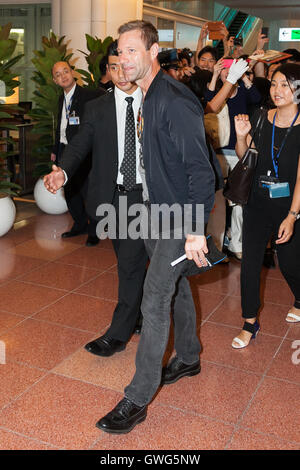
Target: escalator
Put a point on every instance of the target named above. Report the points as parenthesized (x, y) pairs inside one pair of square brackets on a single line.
[(235, 23)]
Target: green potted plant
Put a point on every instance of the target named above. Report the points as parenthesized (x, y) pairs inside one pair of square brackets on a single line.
[(97, 50), (8, 83)]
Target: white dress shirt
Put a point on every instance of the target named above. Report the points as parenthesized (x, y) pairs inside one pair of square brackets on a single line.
[(64, 121), (121, 107)]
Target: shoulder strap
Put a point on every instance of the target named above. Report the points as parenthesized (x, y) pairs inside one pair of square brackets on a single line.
[(259, 124)]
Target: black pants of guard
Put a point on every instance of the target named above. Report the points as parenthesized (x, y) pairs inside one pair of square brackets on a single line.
[(259, 223), (132, 261)]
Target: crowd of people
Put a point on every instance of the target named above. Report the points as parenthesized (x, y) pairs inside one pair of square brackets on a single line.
[(169, 129)]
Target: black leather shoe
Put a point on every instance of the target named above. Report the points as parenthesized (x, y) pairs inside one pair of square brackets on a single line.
[(73, 233), (92, 240), (122, 418), (105, 346), (176, 369)]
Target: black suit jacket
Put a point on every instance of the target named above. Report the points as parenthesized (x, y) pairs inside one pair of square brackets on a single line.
[(97, 134), (80, 97)]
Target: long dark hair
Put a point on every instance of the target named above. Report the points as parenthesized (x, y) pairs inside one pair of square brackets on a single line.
[(292, 74)]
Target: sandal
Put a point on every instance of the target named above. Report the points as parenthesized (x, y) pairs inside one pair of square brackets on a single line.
[(251, 328), (292, 317)]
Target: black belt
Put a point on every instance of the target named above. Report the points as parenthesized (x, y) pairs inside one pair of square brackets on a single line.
[(121, 188)]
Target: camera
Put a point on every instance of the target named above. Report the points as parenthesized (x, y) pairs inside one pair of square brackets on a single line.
[(238, 41), (187, 51)]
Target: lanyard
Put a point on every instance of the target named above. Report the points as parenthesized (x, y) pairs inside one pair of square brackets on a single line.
[(67, 108), (275, 158)]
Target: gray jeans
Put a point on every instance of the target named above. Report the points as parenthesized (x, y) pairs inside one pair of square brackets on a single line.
[(163, 283)]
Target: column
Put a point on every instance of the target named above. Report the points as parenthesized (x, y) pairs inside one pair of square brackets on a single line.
[(99, 12), (75, 22), (121, 12), (101, 18), (55, 14)]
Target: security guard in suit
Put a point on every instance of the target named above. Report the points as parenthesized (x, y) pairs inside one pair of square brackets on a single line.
[(70, 112)]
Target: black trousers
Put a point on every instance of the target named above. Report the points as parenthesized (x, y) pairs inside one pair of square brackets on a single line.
[(132, 262), (259, 223), (75, 195)]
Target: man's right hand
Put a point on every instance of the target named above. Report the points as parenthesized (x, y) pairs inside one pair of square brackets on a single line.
[(54, 180)]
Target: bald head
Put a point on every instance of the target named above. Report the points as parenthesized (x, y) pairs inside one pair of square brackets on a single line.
[(62, 75)]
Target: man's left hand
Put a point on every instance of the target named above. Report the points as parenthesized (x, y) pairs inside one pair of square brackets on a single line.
[(196, 249)]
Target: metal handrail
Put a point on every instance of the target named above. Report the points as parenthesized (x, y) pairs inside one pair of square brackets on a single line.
[(246, 26), (227, 15)]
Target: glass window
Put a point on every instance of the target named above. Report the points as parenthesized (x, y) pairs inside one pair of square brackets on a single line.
[(187, 36), (29, 23), (166, 32)]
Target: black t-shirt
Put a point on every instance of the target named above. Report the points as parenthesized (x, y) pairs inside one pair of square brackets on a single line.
[(287, 165)]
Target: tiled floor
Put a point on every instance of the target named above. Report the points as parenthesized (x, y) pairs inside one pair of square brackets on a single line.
[(56, 295)]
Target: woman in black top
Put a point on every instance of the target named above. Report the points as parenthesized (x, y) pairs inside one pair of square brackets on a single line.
[(266, 212)]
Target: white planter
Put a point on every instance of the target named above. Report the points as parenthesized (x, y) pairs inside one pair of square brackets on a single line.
[(7, 214), (49, 202)]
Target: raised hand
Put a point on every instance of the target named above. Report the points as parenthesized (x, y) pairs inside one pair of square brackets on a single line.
[(54, 180), (242, 125), (218, 67), (188, 71), (237, 70), (258, 52), (224, 32), (204, 31), (228, 45), (261, 40)]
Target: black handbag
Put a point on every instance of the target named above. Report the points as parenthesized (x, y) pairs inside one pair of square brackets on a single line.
[(238, 185)]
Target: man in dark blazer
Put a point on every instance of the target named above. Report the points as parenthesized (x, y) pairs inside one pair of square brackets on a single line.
[(70, 113), (103, 132)]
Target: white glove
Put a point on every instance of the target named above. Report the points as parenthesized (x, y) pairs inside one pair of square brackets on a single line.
[(237, 70)]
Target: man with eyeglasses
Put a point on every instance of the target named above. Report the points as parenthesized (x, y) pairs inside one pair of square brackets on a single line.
[(109, 131)]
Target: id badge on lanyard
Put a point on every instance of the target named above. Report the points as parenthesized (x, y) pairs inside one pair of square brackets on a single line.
[(71, 118), (74, 120)]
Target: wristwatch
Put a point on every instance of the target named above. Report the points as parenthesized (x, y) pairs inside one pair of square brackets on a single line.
[(295, 214)]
